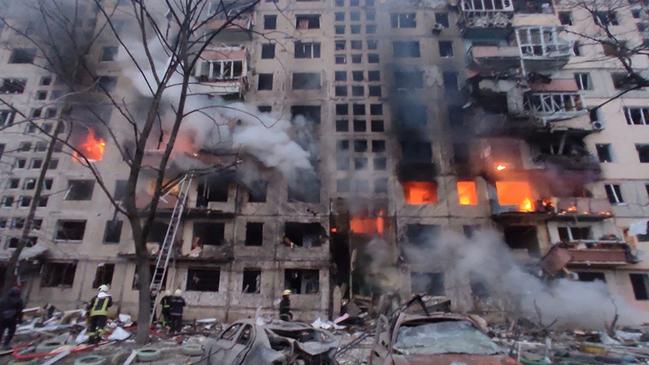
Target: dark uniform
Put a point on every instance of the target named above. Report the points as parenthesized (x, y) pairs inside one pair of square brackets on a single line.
[(11, 311), (165, 305), (285, 309), (176, 305), (98, 316)]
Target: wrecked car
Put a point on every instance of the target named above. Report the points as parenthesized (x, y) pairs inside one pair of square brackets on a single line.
[(438, 338), (247, 342)]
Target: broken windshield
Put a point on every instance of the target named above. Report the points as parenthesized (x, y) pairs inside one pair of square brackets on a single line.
[(443, 338)]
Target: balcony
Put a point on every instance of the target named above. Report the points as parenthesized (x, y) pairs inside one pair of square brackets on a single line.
[(529, 208), (581, 162), (542, 49), (495, 58), (552, 106), (239, 29), (222, 71), (487, 18), (584, 208), (602, 254)]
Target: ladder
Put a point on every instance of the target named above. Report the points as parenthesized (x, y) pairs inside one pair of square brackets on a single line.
[(166, 248)]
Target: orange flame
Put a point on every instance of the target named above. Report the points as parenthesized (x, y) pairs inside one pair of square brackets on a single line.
[(516, 193), (368, 225), (420, 192), (92, 147), (467, 193)]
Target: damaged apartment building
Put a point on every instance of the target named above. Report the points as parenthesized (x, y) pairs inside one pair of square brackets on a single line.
[(424, 117)]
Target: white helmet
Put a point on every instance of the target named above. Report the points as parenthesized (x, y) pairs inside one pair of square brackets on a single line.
[(103, 288), (178, 292)]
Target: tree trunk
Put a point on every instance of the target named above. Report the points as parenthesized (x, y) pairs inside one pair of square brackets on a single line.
[(144, 298), (13, 264)]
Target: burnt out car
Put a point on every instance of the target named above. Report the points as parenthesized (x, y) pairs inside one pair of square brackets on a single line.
[(435, 339), (246, 342)]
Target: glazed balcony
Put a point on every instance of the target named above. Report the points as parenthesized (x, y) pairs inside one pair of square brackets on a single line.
[(553, 105), (486, 18), (542, 48)]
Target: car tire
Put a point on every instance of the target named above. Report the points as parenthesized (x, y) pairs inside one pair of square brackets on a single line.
[(47, 346), (148, 354), (90, 360), (192, 349)]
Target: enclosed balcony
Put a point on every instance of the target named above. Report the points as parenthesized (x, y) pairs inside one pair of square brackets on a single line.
[(222, 71), (542, 49), (553, 105), (487, 18), (594, 208)]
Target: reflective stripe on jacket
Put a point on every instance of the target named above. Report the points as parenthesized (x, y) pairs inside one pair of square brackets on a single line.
[(100, 306)]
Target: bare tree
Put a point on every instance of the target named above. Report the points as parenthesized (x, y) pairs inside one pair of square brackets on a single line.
[(162, 45)]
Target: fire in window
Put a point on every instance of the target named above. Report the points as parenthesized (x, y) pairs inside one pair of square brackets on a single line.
[(58, 274), (420, 192), (516, 193), (91, 147), (302, 281), (467, 193)]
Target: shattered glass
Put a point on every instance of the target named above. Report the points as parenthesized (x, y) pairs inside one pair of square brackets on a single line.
[(457, 337)]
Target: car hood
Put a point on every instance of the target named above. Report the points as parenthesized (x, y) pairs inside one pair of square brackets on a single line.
[(453, 359)]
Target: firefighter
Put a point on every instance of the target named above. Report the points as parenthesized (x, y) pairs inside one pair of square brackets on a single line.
[(285, 306), (176, 305), (164, 307), (98, 314), (11, 312)]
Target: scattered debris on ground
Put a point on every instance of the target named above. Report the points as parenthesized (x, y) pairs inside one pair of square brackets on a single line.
[(422, 329)]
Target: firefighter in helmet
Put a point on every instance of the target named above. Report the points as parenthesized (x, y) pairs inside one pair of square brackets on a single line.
[(98, 314)]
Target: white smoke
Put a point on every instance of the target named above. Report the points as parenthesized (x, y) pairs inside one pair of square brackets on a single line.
[(487, 258)]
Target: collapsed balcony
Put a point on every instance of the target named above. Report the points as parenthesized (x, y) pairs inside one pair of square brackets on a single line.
[(591, 253), (486, 18), (222, 71), (584, 208)]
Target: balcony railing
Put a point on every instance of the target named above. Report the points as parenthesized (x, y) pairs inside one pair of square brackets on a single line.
[(554, 105), (542, 43), (593, 207), (583, 162), (592, 253), (474, 7)]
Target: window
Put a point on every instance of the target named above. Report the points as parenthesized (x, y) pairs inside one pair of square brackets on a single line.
[(340, 90), (340, 45), (103, 275), (604, 152), (370, 15), (310, 112), (360, 126), (377, 126), (79, 190), (636, 116), (380, 163), (340, 76), (24, 201), (357, 44), (342, 109), (303, 234), (442, 19), (265, 81), (251, 281), (569, 234), (405, 49), (21, 163), (24, 146), (410, 79), (307, 21), (306, 81), (339, 16), (120, 190), (372, 44), (108, 54), (643, 152), (341, 59), (355, 29), (17, 223), (40, 147), (450, 82), (591, 276), (257, 191), (614, 193), (36, 163), (70, 230), (14, 183), (576, 48), (640, 284), (41, 95), (375, 90), (636, 13), (565, 17), (254, 234), (211, 71), (358, 90), (13, 86), (342, 125), (357, 58), (307, 49), (45, 81), (343, 185), (7, 201), (430, 283), (360, 145), (339, 29), (403, 20), (6, 117), (203, 280), (208, 233), (113, 231), (620, 80), (376, 109), (268, 51), (270, 22), (374, 75), (264, 108), (445, 49), (378, 146), (583, 81), (58, 274), (22, 55), (605, 18), (370, 29), (301, 281)]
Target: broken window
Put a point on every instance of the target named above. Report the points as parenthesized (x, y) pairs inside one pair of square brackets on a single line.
[(310, 112), (265, 81), (430, 283), (307, 49), (251, 281), (583, 80), (553, 103), (257, 191), (604, 152), (636, 116), (542, 42), (406, 80), (605, 18), (403, 20), (108, 54), (254, 234), (614, 193), (565, 17), (103, 275), (211, 190), (640, 284), (6, 117), (422, 234), (113, 231), (478, 286), (58, 274), (467, 193), (270, 22), (136, 278), (219, 70), (13, 86), (14, 183), (24, 201), (307, 21), (643, 152), (304, 234), (23, 55), (416, 152), (79, 190), (446, 49), (569, 234), (522, 238), (209, 233), (203, 280), (590, 276), (302, 281), (70, 230), (405, 49), (268, 51), (442, 19), (620, 80), (306, 81), (7, 201)]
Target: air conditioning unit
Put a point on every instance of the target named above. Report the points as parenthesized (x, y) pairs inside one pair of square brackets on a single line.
[(597, 125), (438, 28)]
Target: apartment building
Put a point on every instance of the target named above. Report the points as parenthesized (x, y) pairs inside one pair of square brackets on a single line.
[(422, 118)]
